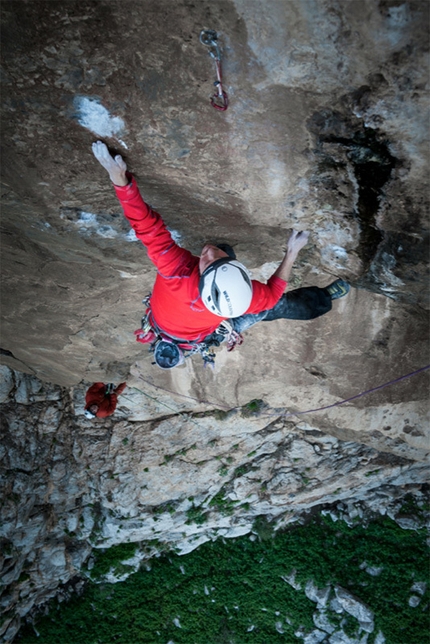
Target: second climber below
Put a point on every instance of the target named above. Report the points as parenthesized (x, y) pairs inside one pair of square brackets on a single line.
[(101, 400), (200, 301)]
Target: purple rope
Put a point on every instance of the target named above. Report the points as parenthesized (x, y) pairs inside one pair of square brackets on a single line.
[(363, 393), (307, 411)]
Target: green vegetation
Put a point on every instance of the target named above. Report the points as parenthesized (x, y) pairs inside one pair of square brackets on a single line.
[(6, 547), (242, 469), (411, 507), (111, 559), (23, 577), (222, 503), (263, 528), (169, 507), (223, 588), (220, 414), (253, 408), (196, 514), (305, 479), (180, 452), (168, 458)]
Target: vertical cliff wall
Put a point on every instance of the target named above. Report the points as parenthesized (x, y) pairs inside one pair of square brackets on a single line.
[(71, 486), (327, 130)]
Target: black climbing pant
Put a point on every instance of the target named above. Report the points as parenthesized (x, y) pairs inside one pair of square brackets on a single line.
[(301, 304)]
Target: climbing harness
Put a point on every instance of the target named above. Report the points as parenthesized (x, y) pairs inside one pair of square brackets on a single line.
[(209, 38), (168, 351), (171, 352)]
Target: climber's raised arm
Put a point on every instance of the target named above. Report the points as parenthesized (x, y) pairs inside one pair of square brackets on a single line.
[(294, 245), (168, 257)]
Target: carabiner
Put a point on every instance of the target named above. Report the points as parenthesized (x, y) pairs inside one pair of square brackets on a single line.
[(209, 38), (221, 97)]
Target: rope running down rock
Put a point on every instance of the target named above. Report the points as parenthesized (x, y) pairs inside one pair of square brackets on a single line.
[(298, 413)]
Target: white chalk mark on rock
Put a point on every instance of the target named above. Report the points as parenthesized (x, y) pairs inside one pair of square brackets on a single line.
[(131, 236), (95, 117)]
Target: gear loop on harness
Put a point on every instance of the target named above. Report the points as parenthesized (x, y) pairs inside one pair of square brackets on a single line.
[(173, 350), (169, 351), (209, 38)]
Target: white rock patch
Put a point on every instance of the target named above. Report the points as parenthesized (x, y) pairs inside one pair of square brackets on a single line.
[(88, 222), (95, 117)]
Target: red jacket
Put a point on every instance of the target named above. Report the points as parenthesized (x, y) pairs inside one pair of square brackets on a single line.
[(96, 395), (175, 302)]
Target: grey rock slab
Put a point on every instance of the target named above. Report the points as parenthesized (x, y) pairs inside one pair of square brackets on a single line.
[(374, 571), (322, 622), (339, 637), (27, 388), (336, 606), (6, 383), (354, 607), (407, 523), (12, 629), (368, 627), (291, 579), (419, 587), (315, 637), (318, 595), (77, 555), (52, 556), (50, 419), (13, 574), (414, 601)]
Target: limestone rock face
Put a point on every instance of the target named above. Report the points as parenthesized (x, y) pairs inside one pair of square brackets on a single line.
[(326, 130), (173, 480)]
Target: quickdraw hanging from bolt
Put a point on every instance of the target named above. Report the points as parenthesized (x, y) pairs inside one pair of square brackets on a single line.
[(209, 38)]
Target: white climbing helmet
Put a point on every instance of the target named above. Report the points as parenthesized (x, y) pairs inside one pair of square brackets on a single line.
[(88, 414), (225, 288)]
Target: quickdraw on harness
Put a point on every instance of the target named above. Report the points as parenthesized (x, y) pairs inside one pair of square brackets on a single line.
[(232, 337), (171, 352), (209, 38)]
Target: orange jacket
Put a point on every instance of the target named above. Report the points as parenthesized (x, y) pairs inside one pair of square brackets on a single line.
[(96, 395)]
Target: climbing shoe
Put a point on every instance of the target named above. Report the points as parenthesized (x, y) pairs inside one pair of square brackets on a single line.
[(337, 289)]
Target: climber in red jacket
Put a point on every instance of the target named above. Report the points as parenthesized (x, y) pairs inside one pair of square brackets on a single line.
[(101, 400), (193, 296)]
